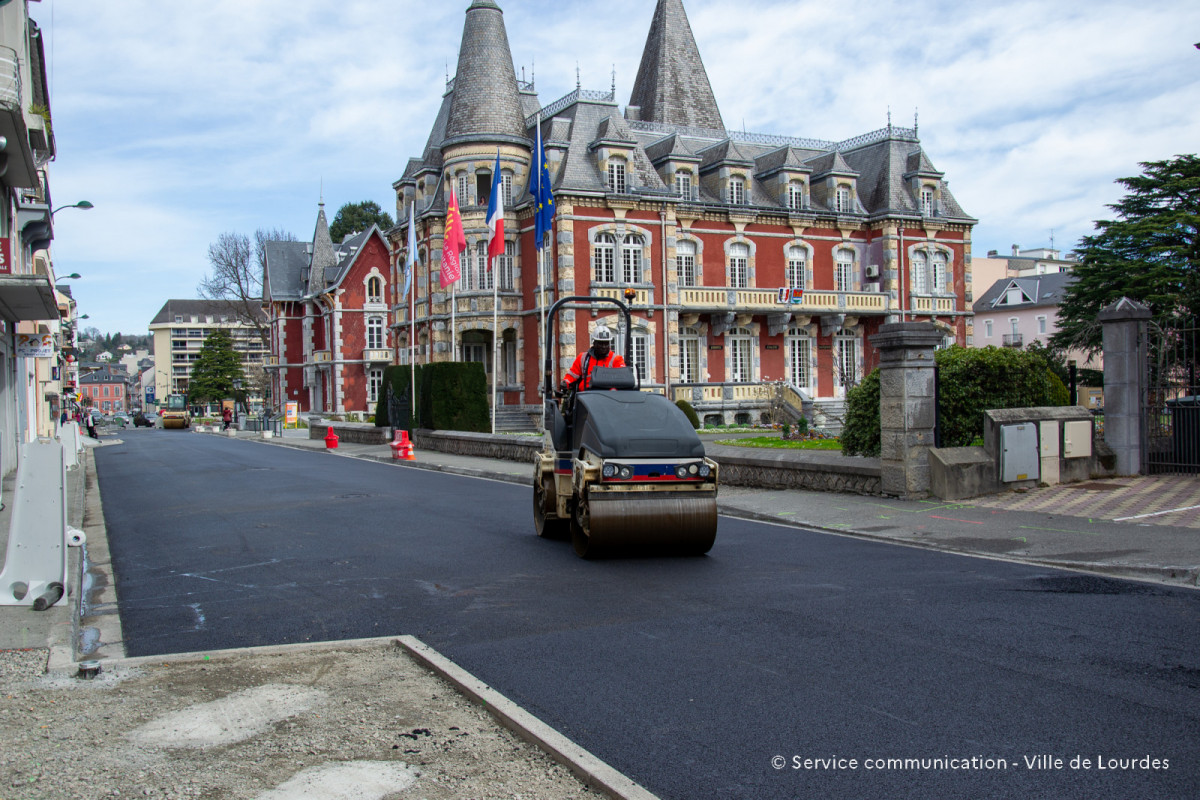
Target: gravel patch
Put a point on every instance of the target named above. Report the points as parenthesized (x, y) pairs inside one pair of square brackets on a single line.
[(367, 720)]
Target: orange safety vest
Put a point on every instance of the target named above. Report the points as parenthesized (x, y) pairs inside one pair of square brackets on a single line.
[(577, 369)]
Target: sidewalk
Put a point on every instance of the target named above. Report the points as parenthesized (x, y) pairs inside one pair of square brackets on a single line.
[(1145, 528)]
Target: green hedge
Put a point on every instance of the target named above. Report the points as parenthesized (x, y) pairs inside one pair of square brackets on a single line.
[(972, 381), (689, 412), (451, 396)]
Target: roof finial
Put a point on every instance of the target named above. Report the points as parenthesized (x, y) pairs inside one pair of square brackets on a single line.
[(916, 126), (447, 74), (614, 83), (889, 119), (533, 74), (321, 201), (577, 76)]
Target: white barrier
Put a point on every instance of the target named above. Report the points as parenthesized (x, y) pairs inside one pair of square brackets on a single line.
[(71, 442), (36, 562)]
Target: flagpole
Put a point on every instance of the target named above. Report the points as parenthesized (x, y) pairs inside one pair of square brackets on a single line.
[(412, 317), (453, 309), (495, 342)]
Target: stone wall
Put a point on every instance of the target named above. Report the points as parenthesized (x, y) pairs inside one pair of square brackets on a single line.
[(359, 433)]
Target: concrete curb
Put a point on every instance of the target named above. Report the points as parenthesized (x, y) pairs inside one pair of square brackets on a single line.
[(584, 765)]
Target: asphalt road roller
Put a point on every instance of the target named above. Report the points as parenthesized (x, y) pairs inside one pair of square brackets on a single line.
[(622, 471)]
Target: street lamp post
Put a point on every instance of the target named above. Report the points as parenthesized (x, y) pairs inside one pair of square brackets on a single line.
[(82, 204), (237, 384)]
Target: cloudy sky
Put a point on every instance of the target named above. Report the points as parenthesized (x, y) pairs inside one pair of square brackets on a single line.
[(183, 120)]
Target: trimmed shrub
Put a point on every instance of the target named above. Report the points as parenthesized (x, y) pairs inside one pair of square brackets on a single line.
[(860, 434), (451, 396), (690, 412), (975, 380)]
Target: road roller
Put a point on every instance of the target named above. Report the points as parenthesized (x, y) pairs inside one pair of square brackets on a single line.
[(622, 471)]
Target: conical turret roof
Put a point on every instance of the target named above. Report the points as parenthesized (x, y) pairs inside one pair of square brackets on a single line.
[(323, 257), (672, 86), (486, 104)]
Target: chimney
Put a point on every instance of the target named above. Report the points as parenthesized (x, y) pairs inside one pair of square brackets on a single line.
[(1016, 250)]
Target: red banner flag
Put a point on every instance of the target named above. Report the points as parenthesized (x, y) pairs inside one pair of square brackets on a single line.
[(454, 244)]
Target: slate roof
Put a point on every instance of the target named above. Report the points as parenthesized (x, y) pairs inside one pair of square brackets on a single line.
[(678, 121), (1045, 290), (289, 274), (672, 86), (486, 101)]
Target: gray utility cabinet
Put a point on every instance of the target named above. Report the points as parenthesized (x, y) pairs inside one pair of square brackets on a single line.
[(1020, 459)]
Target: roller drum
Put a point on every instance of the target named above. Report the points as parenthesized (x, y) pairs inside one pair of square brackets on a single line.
[(621, 523)]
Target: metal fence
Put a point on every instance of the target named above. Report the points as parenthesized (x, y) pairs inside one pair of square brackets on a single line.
[(1172, 403)]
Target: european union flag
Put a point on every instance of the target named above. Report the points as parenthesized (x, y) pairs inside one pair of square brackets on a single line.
[(539, 188)]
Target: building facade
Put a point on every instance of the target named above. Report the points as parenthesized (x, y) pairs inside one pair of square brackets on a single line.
[(179, 330), (105, 389), (328, 312), (702, 225), (31, 330)]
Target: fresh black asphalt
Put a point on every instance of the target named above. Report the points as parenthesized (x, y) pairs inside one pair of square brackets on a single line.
[(690, 675)]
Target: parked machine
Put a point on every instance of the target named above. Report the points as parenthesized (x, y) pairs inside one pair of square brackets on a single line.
[(622, 471), (175, 413)]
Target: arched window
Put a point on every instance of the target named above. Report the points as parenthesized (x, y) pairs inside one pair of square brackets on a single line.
[(631, 259), (844, 270), (939, 272), (616, 175), (739, 266), (683, 184), (374, 289), (604, 258), (845, 361), (797, 267), (920, 272), (689, 355), (927, 201), (685, 263), (740, 364), (737, 191), (842, 199), (375, 339), (504, 263), (799, 358), (480, 278), (795, 195)]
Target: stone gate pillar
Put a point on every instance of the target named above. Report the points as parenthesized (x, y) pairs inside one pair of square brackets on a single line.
[(906, 405), (1125, 381)]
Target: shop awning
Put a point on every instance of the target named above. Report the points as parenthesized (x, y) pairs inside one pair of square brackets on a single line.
[(27, 297)]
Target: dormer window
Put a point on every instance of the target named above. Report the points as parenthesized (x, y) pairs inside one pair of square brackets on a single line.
[(927, 201), (737, 191), (842, 199), (616, 176), (683, 185), (795, 195), (920, 273), (375, 289)]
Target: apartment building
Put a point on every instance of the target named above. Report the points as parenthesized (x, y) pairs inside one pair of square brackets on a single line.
[(179, 330)]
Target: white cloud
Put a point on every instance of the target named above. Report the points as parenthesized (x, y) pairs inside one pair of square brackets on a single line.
[(182, 120)]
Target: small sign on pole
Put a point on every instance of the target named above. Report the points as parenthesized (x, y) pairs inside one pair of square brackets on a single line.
[(790, 296)]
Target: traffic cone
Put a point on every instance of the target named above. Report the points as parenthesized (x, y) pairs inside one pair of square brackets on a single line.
[(405, 450)]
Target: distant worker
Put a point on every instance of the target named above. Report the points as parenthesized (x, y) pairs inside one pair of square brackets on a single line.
[(598, 355), (226, 418)]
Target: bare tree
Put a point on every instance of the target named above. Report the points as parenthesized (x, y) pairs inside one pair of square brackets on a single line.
[(236, 278)]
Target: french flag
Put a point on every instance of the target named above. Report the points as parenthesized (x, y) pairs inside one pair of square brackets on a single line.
[(495, 214)]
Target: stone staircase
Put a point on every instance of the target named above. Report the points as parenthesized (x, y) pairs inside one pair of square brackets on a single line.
[(517, 419)]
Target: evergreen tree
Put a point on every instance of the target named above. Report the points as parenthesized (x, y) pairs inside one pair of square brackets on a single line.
[(215, 369), (1150, 253), (358, 217)]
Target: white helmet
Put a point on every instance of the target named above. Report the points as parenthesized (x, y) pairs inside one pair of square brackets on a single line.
[(602, 334)]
